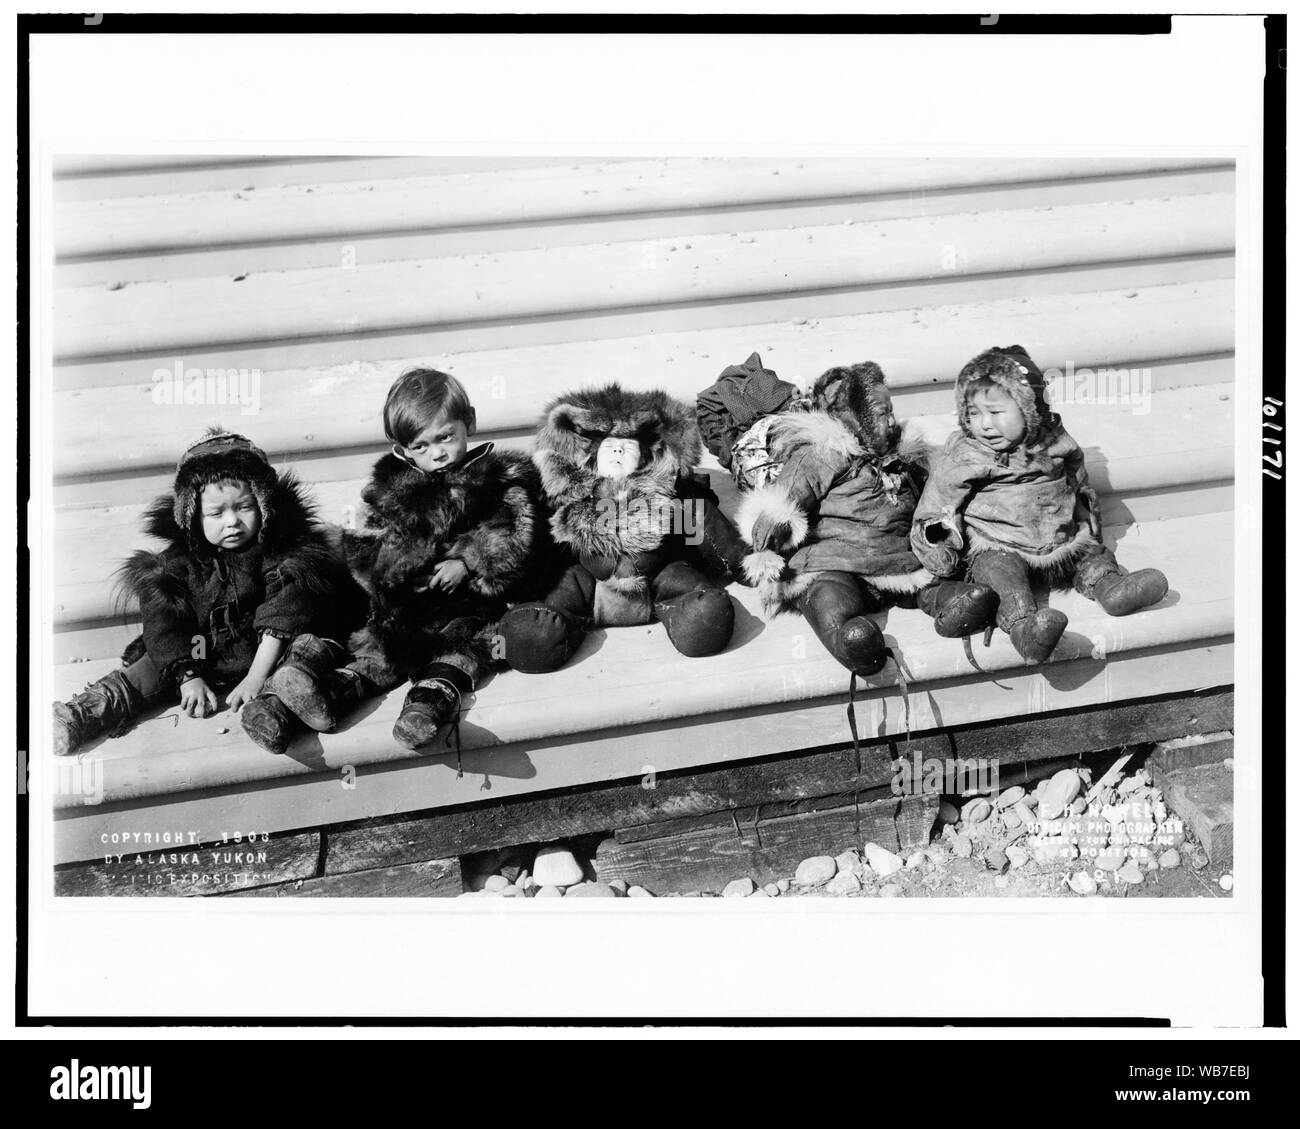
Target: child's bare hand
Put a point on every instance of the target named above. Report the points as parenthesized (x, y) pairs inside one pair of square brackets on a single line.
[(197, 698), (447, 576), (246, 691)]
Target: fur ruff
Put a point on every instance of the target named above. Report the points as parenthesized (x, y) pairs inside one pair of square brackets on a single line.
[(1004, 369), (607, 517), (901, 583), (773, 503), (763, 567), (218, 457), (631, 516), (1057, 566), (291, 543)]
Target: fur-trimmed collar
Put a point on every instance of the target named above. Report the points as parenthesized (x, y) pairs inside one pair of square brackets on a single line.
[(424, 505), (825, 432)]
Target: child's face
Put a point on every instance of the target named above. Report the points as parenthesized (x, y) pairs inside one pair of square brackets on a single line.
[(441, 445), (886, 433), (617, 457), (994, 418), (231, 519)]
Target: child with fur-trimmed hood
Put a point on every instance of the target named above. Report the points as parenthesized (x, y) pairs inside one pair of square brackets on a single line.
[(830, 534), (451, 535), (648, 540), (247, 580), (1009, 497)]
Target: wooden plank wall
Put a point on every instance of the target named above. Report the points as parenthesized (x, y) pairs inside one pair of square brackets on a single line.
[(526, 275)]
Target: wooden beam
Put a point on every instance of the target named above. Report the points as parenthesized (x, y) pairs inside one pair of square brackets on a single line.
[(434, 878), (636, 811), (769, 849)]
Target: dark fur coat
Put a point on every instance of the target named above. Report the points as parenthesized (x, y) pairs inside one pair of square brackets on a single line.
[(288, 582), (486, 512), (626, 530)]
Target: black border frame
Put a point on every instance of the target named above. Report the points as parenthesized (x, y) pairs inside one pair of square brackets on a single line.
[(1273, 594)]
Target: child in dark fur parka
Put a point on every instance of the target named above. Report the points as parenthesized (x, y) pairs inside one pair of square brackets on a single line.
[(1009, 498), (647, 539), (451, 536), (248, 579), (830, 533)]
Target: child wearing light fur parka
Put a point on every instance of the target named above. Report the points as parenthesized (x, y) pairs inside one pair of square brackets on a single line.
[(1009, 499)]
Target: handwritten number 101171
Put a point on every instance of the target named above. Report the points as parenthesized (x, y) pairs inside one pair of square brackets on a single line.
[(1275, 459)]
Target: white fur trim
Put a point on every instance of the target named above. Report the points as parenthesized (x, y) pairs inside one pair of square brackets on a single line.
[(817, 429), (783, 596), (771, 502), (901, 582), (764, 567), (1041, 561)]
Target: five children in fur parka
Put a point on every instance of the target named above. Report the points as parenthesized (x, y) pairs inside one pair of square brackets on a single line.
[(247, 579), (451, 535), (831, 533), (1009, 497), (646, 539)]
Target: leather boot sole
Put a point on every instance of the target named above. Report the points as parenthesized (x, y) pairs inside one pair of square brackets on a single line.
[(1035, 638), (268, 723), (416, 726), (302, 696), (861, 647), (967, 614)]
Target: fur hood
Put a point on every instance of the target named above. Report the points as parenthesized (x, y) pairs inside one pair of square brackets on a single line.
[(292, 543), (857, 397), (288, 519), (288, 582), (220, 456), (605, 517), (575, 424), (1011, 369)]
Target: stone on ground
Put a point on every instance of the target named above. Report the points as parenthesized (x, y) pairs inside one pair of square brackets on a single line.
[(557, 866), (738, 888), (843, 883), (591, 890), (882, 862), (638, 892), (815, 871), (1130, 872), (848, 862), (549, 892)]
